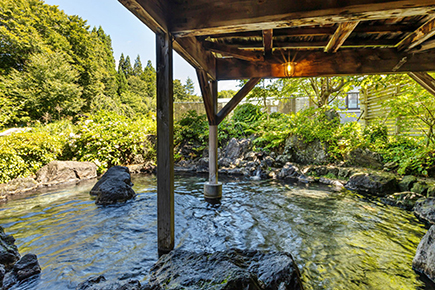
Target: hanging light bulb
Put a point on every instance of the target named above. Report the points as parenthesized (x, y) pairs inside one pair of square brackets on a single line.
[(289, 68)]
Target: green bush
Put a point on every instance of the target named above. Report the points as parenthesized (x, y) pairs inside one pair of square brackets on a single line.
[(192, 128), (247, 113), (109, 139), (22, 154)]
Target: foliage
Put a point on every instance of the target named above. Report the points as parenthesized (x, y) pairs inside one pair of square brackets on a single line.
[(247, 113), (109, 139), (24, 153), (192, 128)]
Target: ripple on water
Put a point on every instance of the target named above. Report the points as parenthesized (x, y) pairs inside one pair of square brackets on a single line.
[(338, 241)]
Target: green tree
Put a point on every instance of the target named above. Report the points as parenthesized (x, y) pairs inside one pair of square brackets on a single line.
[(128, 70), (180, 93), (322, 91), (121, 63), (226, 94), (137, 67), (46, 89), (149, 76)]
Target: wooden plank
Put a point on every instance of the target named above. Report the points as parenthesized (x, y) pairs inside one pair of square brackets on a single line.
[(423, 33), (152, 13), (206, 96), (268, 42), (318, 31), (344, 62), (430, 44), (165, 147), (203, 17), (233, 51), (196, 55), (213, 139), (340, 35), (238, 97), (257, 45), (424, 80)]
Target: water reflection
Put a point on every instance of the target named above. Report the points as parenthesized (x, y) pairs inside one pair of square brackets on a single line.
[(339, 241)]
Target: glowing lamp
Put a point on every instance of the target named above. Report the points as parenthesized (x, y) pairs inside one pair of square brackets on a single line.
[(289, 69)]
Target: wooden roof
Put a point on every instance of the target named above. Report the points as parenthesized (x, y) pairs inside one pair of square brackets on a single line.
[(240, 39)]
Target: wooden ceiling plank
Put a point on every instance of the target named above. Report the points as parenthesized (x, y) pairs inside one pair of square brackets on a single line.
[(268, 42), (317, 63), (339, 37), (194, 53), (233, 51), (150, 12), (238, 97), (195, 18), (425, 80), (423, 33)]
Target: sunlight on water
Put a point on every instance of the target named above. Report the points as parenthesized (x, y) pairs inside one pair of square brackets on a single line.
[(338, 241)]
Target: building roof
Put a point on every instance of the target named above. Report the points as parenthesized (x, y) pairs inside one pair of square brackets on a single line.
[(240, 39)]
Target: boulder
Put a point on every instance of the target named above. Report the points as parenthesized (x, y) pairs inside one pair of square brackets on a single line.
[(420, 187), (364, 158), (302, 152), (407, 182), (100, 283), (424, 210), (431, 190), (65, 171), (8, 251), (230, 270), (16, 186), (237, 148), (289, 172), (281, 160), (405, 200), (424, 260), (379, 184), (24, 269), (114, 186)]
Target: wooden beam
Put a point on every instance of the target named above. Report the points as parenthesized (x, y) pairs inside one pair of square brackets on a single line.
[(207, 96), (317, 63), (165, 147), (339, 37), (268, 41), (238, 97), (151, 12), (430, 44), (425, 80), (203, 17), (318, 31), (257, 45), (196, 55), (233, 51), (423, 33)]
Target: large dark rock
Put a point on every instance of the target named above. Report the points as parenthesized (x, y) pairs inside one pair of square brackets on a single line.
[(8, 251), (364, 158), (229, 270), (114, 186), (237, 148), (405, 200), (380, 184), (424, 209), (302, 152), (57, 172), (100, 283), (289, 172), (407, 182), (424, 260), (25, 268)]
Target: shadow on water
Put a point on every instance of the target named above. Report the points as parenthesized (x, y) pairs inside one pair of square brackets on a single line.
[(338, 241)]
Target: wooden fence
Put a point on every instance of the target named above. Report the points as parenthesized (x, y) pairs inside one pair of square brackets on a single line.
[(375, 109)]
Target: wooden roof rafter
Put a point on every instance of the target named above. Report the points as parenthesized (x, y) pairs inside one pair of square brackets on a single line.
[(340, 35), (423, 33)]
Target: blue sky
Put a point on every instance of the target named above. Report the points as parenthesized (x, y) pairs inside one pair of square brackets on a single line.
[(129, 35)]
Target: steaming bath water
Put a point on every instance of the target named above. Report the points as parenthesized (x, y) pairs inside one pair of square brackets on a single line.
[(339, 241)]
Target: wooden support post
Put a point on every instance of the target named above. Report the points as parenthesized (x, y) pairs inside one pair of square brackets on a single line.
[(165, 147)]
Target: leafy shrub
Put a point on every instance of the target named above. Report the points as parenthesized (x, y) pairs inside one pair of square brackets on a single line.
[(192, 128), (247, 113), (375, 132), (23, 153), (109, 139)]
